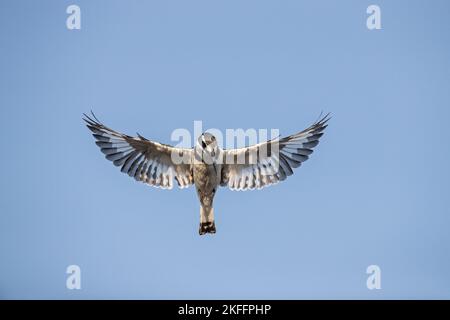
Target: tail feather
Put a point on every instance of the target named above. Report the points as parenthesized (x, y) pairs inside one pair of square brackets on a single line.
[(207, 227), (207, 224)]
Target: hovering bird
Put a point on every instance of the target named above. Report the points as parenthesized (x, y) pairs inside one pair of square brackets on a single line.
[(207, 166)]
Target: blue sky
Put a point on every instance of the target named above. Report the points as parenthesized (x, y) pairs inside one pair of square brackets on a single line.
[(374, 192)]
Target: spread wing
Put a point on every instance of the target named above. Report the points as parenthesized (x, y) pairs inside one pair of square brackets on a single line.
[(142, 159), (269, 162)]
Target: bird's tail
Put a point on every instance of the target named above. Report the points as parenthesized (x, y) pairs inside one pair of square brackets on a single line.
[(207, 224)]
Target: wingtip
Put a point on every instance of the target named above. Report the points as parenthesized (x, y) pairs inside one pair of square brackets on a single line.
[(91, 120), (93, 115), (322, 120)]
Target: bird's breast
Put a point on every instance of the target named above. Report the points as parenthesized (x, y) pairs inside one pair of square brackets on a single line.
[(206, 176)]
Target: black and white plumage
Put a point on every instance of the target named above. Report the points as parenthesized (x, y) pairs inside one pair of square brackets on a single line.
[(144, 160), (275, 159), (206, 165)]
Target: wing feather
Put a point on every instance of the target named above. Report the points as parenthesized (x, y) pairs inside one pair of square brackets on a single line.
[(270, 167), (144, 160)]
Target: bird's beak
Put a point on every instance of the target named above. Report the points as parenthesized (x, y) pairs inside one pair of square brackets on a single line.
[(211, 151)]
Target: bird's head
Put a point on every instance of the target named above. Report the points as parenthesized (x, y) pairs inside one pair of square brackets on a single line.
[(208, 144)]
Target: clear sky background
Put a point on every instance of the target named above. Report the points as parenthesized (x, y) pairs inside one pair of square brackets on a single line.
[(375, 191)]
